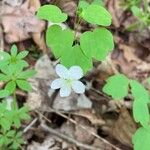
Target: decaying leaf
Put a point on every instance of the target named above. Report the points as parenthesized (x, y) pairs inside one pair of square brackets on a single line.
[(124, 128), (41, 83), (91, 116), (20, 23)]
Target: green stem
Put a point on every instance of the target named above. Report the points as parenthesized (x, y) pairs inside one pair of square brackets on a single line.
[(76, 28), (15, 105), (145, 6), (77, 21)]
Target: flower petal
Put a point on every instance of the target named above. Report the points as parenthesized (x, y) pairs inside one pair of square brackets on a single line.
[(62, 71), (78, 87), (65, 91), (57, 83), (75, 72)]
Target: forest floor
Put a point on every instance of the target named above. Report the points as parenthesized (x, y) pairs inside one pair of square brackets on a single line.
[(91, 121)]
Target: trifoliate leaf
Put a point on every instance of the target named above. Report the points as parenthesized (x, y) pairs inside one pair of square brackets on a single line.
[(13, 50), (139, 92), (97, 44), (51, 13), (141, 139), (96, 14), (117, 86), (24, 85), (59, 40), (141, 112), (11, 86), (75, 56)]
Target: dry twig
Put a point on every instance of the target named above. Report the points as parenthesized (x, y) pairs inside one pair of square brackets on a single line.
[(67, 138), (79, 125)]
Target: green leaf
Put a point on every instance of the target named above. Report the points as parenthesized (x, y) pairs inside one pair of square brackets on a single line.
[(137, 11), (11, 133), (17, 122), (117, 86), (83, 5), (141, 139), (97, 44), (23, 113), (4, 77), (75, 56), (26, 74), (11, 86), (4, 58), (13, 50), (17, 141), (22, 54), (5, 124), (51, 13), (59, 40), (98, 2), (4, 93), (139, 92), (24, 85), (141, 112), (96, 14)]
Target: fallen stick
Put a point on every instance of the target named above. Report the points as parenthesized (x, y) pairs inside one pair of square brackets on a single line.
[(68, 139), (79, 125)]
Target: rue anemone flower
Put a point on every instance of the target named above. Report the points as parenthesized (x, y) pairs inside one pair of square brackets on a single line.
[(69, 80)]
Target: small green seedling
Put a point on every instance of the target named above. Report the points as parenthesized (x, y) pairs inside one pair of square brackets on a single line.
[(14, 76), (118, 86), (140, 9), (95, 44)]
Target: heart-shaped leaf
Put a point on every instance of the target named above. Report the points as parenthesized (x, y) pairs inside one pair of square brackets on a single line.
[(117, 86), (59, 40), (139, 92), (97, 44), (75, 56), (141, 112), (96, 14), (51, 13), (141, 139)]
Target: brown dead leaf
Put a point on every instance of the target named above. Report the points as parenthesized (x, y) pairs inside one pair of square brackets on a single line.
[(91, 116), (116, 11), (40, 83), (129, 53), (101, 145), (48, 144), (124, 128), (68, 7), (82, 135), (20, 23), (127, 61), (13, 2)]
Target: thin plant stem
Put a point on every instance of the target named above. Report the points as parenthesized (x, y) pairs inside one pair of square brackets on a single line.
[(15, 105)]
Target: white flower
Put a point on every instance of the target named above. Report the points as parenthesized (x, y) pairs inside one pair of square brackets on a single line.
[(68, 80)]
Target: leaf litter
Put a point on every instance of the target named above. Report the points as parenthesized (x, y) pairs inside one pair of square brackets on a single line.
[(91, 120)]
